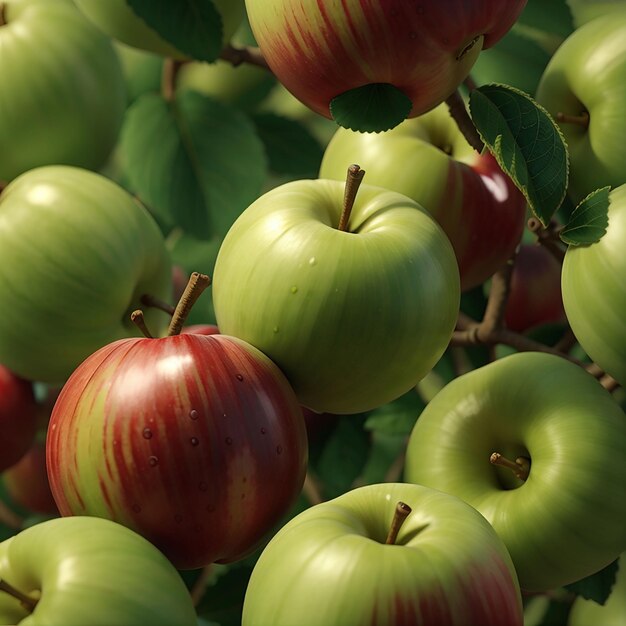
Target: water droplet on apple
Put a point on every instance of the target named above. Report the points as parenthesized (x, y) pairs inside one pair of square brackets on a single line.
[(228, 441), (193, 414), (194, 441), (239, 377), (136, 508), (263, 431), (147, 433), (279, 449), (276, 329), (312, 261), (178, 518), (294, 289), (203, 487), (153, 461)]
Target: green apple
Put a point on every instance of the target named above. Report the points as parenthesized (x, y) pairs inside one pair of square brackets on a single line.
[(594, 292), (77, 252), (612, 613), (585, 10), (585, 80), (354, 318), (562, 519), (428, 159), (142, 70), (85, 570), (333, 564), (118, 20), (63, 96)]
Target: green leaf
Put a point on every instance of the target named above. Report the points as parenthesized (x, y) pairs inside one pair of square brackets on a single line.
[(598, 586), (290, 146), (222, 601), (589, 220), (194, 162), (386, 451), (397, 417), (371, 108), (192, 26), (526, 142), (551, 16)]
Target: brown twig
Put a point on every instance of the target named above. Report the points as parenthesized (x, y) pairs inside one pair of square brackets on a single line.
[(153, 302), (169, 75), (312, 490), (459, 112), (246, 54), (548, 237), (493, 318), (3, 17), (199, 587)]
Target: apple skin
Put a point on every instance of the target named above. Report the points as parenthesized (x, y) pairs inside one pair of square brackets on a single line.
[(330, 565), (428, 159), (594, 292), (197, 442), (91, 571), (18, 417), (118, 20), (584, 11), (201, 329), (76, 254), (586, 74), (63, 97), (567, 520), (319, 50), (354, 319), (535, 290)]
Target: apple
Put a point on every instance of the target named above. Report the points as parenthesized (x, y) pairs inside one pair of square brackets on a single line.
[(585, 10), (612, 613), (535, 290), (85, 570), (333, 565), (428, 159), (410, 55), (63, 95), (77, 252), (26, 482), (594, 292), (197, 442), (117, 19), (560, 510), (18, 417), (583, 81), (201, 329), (354, 317)]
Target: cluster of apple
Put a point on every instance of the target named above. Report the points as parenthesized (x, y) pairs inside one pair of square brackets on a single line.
[(165, 445)]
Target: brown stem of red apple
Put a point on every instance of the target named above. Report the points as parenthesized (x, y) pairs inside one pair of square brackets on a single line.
[(196, 285), (353, 182), (401, 513), (245, 54), (137, 318), (169, 75), (155, 303), (26, 601), (459, 112), (579, 120), (520, 467)]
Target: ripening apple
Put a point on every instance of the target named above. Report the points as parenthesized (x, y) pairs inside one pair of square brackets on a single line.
[(63, 95), (399, 59)]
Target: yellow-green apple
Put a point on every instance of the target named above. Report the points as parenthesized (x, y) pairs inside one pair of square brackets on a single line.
[(77, 252), (583, 87), (63, 95), (85, 570), (428, 159), (594, 292), (18, 417), (338, 564), (403, 57), (535, 290), (197, 442), (538, 446), (117, 19), (613, 613), (354, 317), (585, 10)]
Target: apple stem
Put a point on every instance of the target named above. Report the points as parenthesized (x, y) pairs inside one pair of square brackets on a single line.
[(580, 120), (137, 318), (520, 467), (155, 303), (401, 513), (196, 285), (27, 602), (3, 19), (247, 54), (169, 76), (353, 182)]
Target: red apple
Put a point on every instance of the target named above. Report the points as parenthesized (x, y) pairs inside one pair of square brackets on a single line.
[(201, 329), (18, 417), (535, 292)]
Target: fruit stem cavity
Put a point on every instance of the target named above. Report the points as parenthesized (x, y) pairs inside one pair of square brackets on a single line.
[(520, 467)]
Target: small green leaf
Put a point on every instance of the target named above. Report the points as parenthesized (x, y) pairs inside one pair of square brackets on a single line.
[(598, 586), (372, 108), (192, 26), (397, 417), (196, 163), (290, 146), (589, 220), (526, 142)]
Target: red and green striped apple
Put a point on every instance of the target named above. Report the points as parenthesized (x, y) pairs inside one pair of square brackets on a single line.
[(420, 51), (195, 441)]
